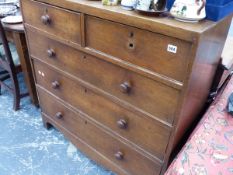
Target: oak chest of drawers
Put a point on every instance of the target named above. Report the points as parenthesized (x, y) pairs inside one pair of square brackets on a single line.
[(122, 87)]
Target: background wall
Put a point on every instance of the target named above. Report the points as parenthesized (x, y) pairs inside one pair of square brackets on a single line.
[(231, 29)]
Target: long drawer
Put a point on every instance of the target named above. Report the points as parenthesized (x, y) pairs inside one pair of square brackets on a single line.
[(113, 149), (156, 52), (141, 130), (146, 94), (56, 21)]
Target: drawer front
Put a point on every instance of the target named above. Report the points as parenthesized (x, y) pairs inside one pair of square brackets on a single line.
[(59, 22), (143, 131), (146, 94), (140, 47), (116, 151)]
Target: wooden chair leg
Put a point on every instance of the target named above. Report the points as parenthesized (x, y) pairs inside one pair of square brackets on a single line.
[(16, 92), (16, 102)]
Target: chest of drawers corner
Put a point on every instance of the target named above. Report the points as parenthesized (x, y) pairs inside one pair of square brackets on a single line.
[(122, 88)]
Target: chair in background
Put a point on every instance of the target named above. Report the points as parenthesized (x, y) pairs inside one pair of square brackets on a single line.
[(9, 68)]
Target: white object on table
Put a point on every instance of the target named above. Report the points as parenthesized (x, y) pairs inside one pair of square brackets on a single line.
[(128, 4), (12, 19), (188, 10), (143, 5)]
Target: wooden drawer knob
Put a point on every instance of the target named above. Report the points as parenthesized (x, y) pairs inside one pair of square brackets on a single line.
[(58, 115), (45, 19), (51, 53), (119, 155), (125, 87), (122, 124), (55, 84)]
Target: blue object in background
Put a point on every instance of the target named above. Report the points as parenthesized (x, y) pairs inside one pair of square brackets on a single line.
[(217, 12), (169, 4), (215, 9), (218, 2)]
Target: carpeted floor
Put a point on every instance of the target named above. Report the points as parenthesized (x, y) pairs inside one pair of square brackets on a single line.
[(27, 148)]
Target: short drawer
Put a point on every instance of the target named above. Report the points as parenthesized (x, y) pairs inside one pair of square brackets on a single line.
[(56, 21), (113, 149), (144, 93), (143, 131), (142, 48)]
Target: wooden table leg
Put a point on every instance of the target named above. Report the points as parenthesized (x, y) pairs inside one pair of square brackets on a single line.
[(21, 46)]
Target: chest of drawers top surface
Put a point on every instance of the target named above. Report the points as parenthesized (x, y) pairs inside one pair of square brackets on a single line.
[(166, 26), (108, 72)]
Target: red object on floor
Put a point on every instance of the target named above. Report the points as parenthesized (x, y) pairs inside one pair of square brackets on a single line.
[(209, 149)]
